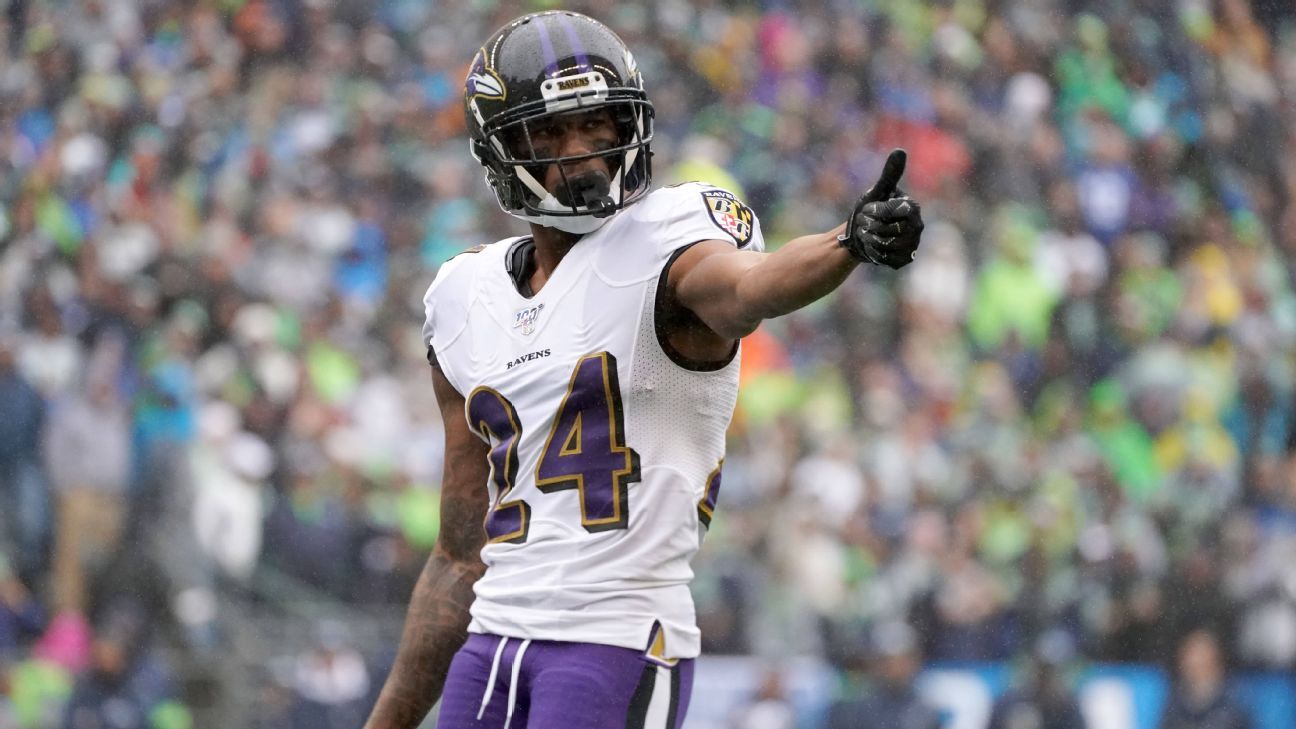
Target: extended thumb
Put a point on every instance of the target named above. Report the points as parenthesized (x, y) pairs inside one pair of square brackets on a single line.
[(885, 187)]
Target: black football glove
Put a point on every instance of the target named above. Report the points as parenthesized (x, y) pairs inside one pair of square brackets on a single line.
[(886, 224)]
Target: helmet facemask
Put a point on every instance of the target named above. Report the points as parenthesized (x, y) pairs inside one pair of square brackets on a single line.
[(516, 170)]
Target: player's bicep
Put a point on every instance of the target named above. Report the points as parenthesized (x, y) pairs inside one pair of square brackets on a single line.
[(464, 498), (707, 279)]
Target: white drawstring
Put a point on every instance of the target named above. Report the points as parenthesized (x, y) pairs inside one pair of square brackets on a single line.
[(513, 681), (490, 682)]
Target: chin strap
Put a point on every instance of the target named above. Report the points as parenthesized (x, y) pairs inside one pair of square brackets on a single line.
[(576, 225)]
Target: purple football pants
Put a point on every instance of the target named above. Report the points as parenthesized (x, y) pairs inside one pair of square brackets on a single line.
[(509, 683)]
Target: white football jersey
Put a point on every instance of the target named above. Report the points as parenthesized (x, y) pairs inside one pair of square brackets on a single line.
[(605, 449)]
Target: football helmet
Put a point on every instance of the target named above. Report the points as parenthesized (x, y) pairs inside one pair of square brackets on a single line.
[(546, 64)]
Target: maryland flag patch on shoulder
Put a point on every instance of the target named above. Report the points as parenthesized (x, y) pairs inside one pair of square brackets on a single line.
[(730, 215)]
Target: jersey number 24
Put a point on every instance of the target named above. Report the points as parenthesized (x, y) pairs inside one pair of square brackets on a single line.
[(585, 451)]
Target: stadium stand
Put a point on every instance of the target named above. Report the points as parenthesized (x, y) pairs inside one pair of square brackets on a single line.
[(219, 452)]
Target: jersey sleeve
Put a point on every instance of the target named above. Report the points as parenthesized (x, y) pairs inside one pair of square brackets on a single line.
[(651, 232), (445, 308), (696, 211)]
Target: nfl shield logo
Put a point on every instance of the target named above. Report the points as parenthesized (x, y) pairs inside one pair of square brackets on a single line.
[(526, 319)]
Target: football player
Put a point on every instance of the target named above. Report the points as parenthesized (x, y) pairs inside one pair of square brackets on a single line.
[(586, 374)]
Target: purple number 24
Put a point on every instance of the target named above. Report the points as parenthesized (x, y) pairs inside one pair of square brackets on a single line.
[(585, 451)]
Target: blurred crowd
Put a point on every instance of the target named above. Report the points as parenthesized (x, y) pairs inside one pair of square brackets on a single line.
[(1071, 418)]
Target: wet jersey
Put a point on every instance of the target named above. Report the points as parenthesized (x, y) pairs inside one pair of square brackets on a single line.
[(605, 447)]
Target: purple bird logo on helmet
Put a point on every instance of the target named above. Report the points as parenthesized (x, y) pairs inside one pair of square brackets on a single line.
[(483, 82)]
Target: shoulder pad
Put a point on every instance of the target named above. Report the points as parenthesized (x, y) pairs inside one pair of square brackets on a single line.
[(644, 237), (446, 303), (694, 211)]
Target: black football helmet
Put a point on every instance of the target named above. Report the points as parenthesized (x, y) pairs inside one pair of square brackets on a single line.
[(551, 63)]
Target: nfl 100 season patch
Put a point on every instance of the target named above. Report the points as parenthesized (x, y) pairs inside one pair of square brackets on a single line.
[(730, 215), (525, 319)]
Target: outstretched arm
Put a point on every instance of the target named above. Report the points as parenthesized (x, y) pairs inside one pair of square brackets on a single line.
[(437, 622), (732, 291)]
